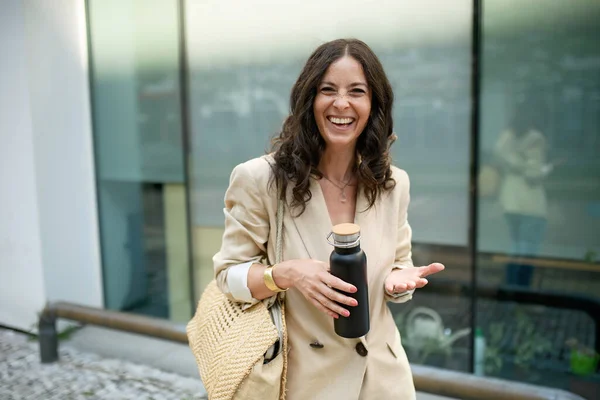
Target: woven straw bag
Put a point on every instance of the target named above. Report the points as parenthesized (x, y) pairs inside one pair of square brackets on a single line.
[(230, 344)]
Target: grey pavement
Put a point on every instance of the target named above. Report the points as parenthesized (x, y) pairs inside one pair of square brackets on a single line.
[(97, 363), (83, 375)]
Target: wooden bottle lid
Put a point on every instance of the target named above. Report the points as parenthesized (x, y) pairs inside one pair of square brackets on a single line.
[(345, 235), (346, 229)]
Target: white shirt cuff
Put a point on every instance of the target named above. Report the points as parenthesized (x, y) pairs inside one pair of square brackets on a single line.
[(237, 282)]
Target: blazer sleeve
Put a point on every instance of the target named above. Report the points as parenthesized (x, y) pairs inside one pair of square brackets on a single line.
[(246, 228), (403, 258)]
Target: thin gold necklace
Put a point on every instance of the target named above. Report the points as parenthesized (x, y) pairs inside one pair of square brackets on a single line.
[(343, 198)]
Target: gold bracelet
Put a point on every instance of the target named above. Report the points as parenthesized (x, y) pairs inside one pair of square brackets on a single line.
[(270, 282)]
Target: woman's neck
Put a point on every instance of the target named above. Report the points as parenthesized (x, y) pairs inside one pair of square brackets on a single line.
[(337, 165)]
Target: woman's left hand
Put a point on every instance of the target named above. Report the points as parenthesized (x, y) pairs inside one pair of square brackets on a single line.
[(401, 280)]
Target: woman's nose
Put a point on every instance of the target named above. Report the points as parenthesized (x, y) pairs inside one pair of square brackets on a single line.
[(341, 102)]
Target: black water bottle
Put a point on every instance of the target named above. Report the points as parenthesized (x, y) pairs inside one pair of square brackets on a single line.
[(349, 263)]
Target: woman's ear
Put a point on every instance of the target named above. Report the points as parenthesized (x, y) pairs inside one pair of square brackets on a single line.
[(391, 139), (358, 159)]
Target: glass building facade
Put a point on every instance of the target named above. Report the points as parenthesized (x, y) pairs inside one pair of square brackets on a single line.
[(505, 178)]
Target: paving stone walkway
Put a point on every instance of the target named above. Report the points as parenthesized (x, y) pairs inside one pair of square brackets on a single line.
[(83, 376)]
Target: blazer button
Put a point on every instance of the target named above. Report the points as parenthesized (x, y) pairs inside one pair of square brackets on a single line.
[(361, 350)]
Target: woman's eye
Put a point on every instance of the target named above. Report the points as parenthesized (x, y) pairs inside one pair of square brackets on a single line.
[(358, 92), (327, 90)]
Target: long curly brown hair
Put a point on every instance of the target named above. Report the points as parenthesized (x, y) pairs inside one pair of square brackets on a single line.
[(298, 148)]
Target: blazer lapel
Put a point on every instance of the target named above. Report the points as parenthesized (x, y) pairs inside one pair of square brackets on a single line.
[(370, 240), (370, 235), (314, 224)]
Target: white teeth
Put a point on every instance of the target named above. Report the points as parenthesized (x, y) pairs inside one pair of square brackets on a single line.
[(341, 120)]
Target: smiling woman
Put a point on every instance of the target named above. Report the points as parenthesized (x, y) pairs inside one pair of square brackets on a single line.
[(329, 165)]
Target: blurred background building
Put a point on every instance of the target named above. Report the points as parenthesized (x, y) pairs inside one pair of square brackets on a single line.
[(120, 122)]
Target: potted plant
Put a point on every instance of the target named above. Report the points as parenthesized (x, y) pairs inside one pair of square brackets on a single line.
[(502, 359), (493, 355), (583, 360), (583, 363)]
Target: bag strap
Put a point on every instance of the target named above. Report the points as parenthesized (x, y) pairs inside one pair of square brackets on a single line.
[(282, 329), (276, 305), (279, 234)]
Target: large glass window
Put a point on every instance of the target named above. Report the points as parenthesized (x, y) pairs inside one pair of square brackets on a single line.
[(243, 61), (539, 214), (138, 142)]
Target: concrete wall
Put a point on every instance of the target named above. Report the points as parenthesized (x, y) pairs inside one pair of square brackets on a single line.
[(22, 289), (49, 247)]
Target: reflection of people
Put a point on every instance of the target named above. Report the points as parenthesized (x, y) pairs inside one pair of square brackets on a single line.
[(521, 152), (331, 162)]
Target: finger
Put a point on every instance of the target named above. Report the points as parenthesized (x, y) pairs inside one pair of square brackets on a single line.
[(411, 285), (399, 288), (331, 306), (430, 269), (337, 283), (338, 297), (323, 309), (421, 282), (389, 288)]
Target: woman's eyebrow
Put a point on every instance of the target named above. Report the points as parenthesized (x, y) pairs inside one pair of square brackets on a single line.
[(327, 83)]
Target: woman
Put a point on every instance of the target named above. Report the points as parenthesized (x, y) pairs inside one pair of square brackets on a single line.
[(521, 152), (331, 165)]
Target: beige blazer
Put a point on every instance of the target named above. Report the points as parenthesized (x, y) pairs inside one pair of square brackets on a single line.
[(340, 368)]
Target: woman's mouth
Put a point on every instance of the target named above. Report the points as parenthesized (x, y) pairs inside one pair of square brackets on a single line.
[(341, 122)]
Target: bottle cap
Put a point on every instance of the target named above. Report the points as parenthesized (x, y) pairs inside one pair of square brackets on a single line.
[(345, 235)]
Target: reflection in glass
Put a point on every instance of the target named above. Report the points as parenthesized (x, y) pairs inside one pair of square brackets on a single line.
[(139, 156), (521, 152), (539, 230)]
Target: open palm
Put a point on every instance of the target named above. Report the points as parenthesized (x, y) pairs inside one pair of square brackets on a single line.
[(401, 280)]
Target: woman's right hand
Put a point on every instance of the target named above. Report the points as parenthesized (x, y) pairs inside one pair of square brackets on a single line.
[(313, 279)]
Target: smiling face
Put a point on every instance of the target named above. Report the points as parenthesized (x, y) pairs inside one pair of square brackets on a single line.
[(343, 103)]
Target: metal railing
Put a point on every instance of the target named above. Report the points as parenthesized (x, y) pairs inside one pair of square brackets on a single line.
[(427, 379), (149, 326)]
